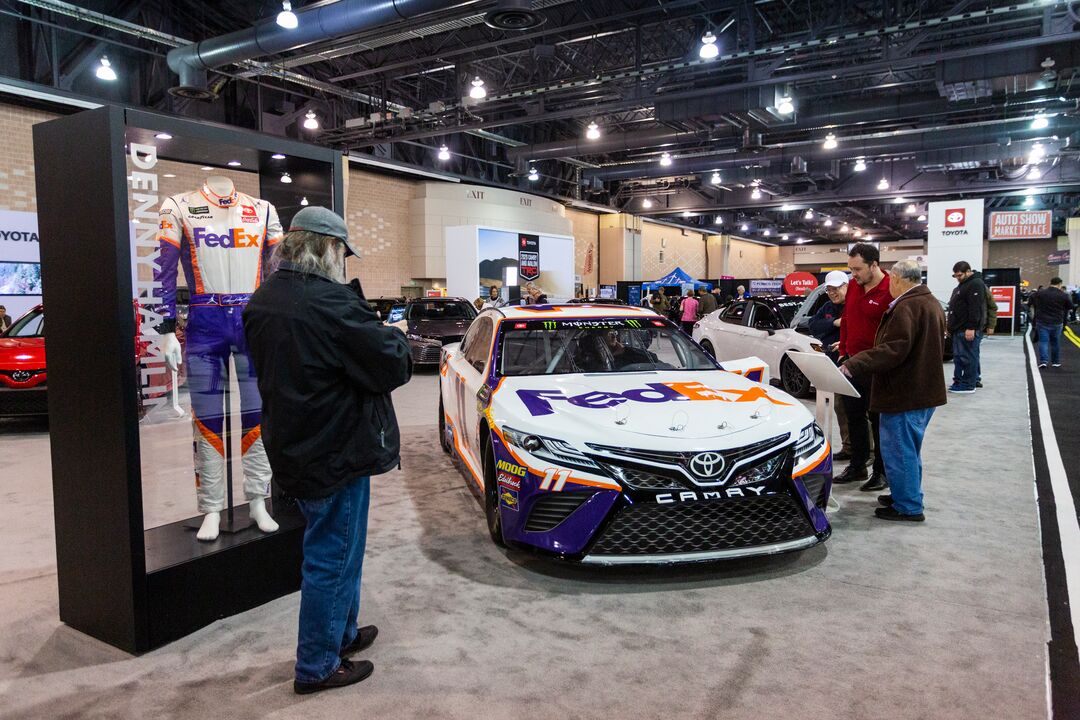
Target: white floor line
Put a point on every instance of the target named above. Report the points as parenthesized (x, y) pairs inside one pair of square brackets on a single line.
[(1068, 527)]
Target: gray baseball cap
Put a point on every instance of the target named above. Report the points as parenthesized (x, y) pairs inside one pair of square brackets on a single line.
[(323, 221)]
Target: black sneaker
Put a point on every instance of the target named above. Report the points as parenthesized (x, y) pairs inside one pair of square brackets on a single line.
[(884, 500), (876, 482), (978, 384), (348, 673), (1055, 364), (888, 513), (852, 474), (364, 637), (1042, 366)]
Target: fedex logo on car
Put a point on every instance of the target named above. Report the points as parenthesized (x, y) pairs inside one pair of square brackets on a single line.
[(956, 217), (539, 401), (234, 238)]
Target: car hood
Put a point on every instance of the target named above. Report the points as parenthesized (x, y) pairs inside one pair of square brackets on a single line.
[(22, 350), (439, 328), (653, 410)]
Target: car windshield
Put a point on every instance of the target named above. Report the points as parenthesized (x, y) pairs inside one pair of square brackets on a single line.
[(788, 308), (441, 311), (31, 325), (596, 345)]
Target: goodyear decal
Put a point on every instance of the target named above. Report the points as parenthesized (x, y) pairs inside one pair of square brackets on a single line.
[(539, 401)]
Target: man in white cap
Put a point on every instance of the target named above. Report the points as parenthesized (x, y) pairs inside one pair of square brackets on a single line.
[(825, 326), (326, 365)]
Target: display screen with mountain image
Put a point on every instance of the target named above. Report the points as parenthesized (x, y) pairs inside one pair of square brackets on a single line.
[(20, 278), (498, 252)]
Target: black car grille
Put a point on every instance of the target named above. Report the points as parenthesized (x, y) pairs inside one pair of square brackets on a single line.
[(731, 457), (648, 529), (31, 401), (815, 488), (551, 509), (426, 354)]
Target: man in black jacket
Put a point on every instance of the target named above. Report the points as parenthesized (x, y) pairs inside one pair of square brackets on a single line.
[(967, 319), (326, 366), (1052, 307)]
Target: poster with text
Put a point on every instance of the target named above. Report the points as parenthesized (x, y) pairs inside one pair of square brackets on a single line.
[(20, 258)]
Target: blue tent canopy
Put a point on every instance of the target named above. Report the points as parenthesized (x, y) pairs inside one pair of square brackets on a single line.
[(678, 278)]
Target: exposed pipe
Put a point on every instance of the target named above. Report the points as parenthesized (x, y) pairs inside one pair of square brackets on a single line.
[(928, 139), (615, 142), (316, 23)]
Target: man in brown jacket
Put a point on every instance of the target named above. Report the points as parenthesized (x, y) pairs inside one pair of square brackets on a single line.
[(908, 383)]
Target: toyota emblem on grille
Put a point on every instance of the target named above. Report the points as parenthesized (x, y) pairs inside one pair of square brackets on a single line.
[(21, 375), (707, 465)]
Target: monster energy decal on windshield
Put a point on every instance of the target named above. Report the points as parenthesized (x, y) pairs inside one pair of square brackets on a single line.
[(585, 323)]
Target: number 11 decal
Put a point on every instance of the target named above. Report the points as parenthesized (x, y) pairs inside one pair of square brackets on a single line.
[(556, 475)]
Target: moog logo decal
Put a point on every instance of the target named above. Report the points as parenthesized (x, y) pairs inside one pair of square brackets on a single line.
[(539, 401)]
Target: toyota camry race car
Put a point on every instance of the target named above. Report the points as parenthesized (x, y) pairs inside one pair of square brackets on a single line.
[(605, 435)]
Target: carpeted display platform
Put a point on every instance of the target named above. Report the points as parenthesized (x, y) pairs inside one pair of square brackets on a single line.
[(942, 620)]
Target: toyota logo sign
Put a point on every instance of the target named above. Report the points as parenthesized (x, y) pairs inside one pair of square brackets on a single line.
[(21, 375), (707, 465), (955, 217)]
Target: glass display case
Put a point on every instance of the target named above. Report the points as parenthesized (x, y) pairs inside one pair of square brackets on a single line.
[(154, 233)]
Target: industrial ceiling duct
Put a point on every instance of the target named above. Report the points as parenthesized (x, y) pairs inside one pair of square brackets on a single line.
[(513, 15), (316, 23)]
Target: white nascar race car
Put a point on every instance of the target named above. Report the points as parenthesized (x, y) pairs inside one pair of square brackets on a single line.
[(605, 435), (765, 327)]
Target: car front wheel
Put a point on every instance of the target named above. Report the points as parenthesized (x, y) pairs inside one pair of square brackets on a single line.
[(792, 380), (707, 347), (491, 496), (443, 443)]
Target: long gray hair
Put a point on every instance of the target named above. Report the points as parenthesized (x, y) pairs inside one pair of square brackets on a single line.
[(313, 253)]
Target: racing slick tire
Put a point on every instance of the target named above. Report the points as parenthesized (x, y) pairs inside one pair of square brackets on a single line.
[(442, 427), (491, 496), (792, 379)]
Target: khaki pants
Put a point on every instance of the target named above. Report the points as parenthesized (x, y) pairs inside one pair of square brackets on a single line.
[(841, 420)]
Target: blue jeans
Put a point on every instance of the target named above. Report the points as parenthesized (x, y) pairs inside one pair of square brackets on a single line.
[(1049, 342), (901, 444), (965, 360), (330, 592)]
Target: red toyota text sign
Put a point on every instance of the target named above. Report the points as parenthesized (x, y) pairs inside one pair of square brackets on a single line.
[(1005, 297), (1020, 225)]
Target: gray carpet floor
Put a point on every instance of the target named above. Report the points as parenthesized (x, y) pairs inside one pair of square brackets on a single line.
[(943, 620)]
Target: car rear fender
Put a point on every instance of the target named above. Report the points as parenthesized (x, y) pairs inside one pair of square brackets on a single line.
[(752, 368)]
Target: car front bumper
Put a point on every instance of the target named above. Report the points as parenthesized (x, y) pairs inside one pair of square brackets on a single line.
[(20, 402)]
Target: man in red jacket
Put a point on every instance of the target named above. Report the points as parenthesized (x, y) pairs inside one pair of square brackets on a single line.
[(867, 299)]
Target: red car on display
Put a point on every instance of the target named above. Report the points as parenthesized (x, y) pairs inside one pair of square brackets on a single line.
[(22, 366)]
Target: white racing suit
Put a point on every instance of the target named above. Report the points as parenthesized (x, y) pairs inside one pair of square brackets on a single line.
[(224, 245)]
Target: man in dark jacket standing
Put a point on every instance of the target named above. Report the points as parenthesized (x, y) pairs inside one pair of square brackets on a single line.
[(908, 384), (967, 319), (1052, 307), (326, 366)]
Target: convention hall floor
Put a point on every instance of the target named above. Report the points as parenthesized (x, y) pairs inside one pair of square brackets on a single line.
[(942, 620)]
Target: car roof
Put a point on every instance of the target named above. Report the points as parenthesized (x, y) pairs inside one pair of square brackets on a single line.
[(572, 311), (410, 301)]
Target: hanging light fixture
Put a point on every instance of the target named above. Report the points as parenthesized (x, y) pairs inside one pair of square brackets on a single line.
[(105, 71), (311, 121), (1038, 152), (744, 227), (921, 218), (708, 49), (883, 184), (593, 131), (285, 178), (478, 91), (234, 163), (665, 159), (785, 106), (808, 215), (287, 18), (911, 209), (304, 201), (756, 194), (857, 233), (1041, 121), (1029, 201), (277, 156), (860, 165), (444, 153), (767, 232), (1034, 173), (785, 237), (646, 203), (715, 177), (828, 222), (163, 136), (719, 220), (533, 175), (830, 142), (844, 228)]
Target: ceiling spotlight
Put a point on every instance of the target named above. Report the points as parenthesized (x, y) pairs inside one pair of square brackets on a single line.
[(785, 106), (719, 220), (593, 131), (715, 178), (883, 184), (646, 203), (800, 241), (1041, 122), (287, 18), (1029, 201), (277, 156), (828, 222), (786, 208), (860, 165), (756, 194), (830, 142), (533, 175), (785, 237), (687, 213), (844, 228), (767, 232), (1034, 173), (311, 122), (921, 218), (744, 227), (708, 49), (911, 209), (477, 91), (304, 201), (285, 178), (444, 153), (163, 136), (665, 159), (808, 215), (234, 163), (105, 71), (857, 233)]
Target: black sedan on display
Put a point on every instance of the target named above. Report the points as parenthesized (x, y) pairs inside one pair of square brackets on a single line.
[(430, 323)]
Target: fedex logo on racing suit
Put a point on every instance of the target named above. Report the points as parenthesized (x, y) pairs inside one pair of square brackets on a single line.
[(234, 238), (539, 401)]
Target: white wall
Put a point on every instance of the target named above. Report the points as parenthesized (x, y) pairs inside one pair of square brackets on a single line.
[(954, 233), (467, 246)]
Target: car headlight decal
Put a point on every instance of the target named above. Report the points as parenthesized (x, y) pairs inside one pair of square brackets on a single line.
[(553, 449), (811, 440)]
